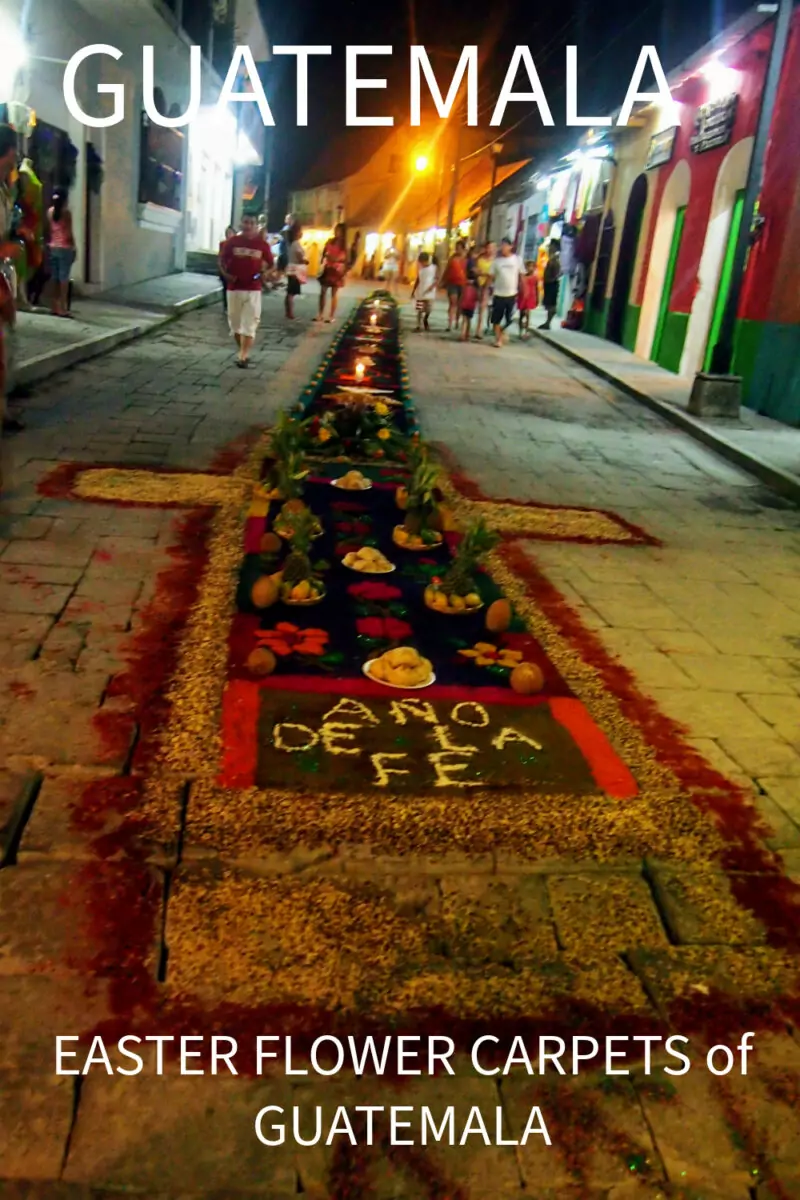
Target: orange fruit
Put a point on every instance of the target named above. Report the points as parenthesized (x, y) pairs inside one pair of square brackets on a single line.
[(527, 679), (261, 661), (499, 616), (270, 544), (264, 592)]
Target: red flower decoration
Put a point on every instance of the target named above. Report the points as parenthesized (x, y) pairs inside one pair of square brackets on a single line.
[(374, 591), (348, 506), (384, 628)]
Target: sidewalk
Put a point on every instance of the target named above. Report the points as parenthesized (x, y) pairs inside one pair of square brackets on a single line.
[(46, 344), (764, 448)]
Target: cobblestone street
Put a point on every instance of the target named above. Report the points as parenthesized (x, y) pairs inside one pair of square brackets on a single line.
[(707, 622)]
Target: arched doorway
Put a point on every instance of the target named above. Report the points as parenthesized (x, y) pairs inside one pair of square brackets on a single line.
[(661, 333), (626, 260), (731, 179)]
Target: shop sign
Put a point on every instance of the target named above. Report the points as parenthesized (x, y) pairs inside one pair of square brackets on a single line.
[(661, 148), (713, 124)]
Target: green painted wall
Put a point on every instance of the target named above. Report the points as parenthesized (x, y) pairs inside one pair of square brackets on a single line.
[(596, 320), (631, 326), (768, 358), (672, 339), (746, 343)]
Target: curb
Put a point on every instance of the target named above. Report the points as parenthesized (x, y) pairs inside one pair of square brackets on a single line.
[(779, 481), (36, 370)]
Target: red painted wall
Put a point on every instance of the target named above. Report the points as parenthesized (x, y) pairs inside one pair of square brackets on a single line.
[(749, 57), (772, 284)]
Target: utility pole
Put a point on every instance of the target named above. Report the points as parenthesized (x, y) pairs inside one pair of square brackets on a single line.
[(454, 185), (496, 151), (722, 353)]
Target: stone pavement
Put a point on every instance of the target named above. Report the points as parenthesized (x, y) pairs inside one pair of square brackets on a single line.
[(766, 448), (45, 344), (708, 623)]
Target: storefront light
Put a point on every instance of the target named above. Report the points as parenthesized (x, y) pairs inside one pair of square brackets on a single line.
[(722, 81), (13, 57), (246, 154)]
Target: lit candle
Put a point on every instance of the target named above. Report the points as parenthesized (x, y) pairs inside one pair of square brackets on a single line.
[(373, 319), (359, 370)]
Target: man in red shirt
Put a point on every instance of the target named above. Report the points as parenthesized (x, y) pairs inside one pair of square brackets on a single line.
[(245, 260)]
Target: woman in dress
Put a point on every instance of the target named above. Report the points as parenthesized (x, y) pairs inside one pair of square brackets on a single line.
[(61, 244), (334, 270), (296, 269), (390, 269)]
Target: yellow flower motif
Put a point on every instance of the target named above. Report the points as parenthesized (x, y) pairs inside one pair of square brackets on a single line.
[(487, 655), (382, 409), (384, 434), (324, 434)]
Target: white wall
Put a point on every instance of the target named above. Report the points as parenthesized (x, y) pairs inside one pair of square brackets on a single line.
[(676, 195), (731, 178)]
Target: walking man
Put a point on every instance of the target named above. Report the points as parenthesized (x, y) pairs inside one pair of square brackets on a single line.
[(245, 261), (506, 273)]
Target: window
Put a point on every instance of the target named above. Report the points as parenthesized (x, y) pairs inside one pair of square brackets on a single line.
[(161, 168)]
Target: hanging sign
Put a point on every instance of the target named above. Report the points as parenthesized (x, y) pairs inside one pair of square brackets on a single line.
[(661, 148), (713, 125)]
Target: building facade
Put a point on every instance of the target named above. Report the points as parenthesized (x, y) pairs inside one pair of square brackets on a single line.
[(141, 195), (675, 208)]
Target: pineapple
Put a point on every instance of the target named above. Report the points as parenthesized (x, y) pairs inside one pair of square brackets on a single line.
[(459, 581), (421, 503), (287, 451), (291, 472), (298, 578)]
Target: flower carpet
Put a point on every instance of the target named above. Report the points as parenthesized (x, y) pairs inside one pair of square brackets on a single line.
[(339, 850)]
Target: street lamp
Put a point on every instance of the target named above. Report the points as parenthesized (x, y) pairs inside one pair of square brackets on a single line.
[(13, 58), (421, 163)]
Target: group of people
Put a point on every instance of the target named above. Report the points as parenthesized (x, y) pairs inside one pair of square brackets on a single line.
[(30, 238), (247, 263), (490, 283)]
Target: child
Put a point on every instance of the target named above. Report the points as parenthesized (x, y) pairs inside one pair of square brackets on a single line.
[(425, 290), (528, 298), (469, 301)]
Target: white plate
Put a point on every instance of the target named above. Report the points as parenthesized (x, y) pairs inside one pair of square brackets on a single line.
[(403, 687), (386, 571), (367, 391), (337, 483)]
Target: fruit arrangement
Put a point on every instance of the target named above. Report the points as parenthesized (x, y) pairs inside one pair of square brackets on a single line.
[(368, 560), (458, 592), (299, 582), (353, 481), (421, 506), (401, 667), (427, 539), (437, 599)]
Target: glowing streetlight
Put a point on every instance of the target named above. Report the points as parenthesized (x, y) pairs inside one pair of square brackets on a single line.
[(13, 58), (421, 163)]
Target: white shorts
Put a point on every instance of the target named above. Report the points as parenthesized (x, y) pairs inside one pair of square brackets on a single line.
[(244, 312)]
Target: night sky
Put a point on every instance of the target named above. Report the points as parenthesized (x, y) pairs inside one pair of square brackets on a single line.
[(608, 35)]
